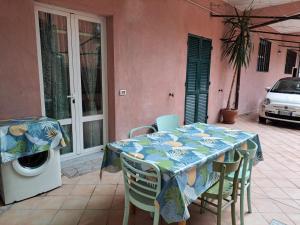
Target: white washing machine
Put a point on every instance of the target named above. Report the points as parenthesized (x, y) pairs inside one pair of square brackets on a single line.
[(30, 175)]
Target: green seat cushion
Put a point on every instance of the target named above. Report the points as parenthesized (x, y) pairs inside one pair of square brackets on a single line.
[(213, 191)]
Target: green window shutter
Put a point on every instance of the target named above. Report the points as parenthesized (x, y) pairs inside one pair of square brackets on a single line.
[(197, 79)]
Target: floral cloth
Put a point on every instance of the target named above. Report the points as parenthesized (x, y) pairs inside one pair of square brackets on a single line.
[(23, 137), (184, 157)]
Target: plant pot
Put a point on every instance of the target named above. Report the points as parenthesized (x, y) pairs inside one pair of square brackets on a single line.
[(229, 115)]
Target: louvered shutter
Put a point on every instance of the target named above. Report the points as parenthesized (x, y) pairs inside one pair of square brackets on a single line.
[(197, 80)]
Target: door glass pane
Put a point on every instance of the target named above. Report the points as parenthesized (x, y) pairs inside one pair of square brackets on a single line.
[(54, 51), (69, 147), (92, 133), (55, 68), (90, 66)]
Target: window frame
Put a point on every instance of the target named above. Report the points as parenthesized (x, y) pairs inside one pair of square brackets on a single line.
[(264, 55)]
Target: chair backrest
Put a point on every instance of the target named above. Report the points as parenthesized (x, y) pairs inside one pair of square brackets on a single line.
[(224, 168), (167, 122), (141, 178), (130, 133), (248, 157)]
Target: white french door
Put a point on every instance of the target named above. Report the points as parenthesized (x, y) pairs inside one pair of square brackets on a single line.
[(72, 67)]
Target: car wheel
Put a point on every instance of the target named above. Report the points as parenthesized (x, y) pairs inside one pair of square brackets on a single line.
[(262, 120)]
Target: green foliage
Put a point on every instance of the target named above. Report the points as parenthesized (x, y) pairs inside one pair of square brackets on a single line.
[(156, 152), (237, 46), (237, 41)]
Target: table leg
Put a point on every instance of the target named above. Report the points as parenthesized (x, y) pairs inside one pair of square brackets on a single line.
[(182, 223)]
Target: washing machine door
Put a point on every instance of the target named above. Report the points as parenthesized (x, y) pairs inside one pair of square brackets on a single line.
[(32, 165)]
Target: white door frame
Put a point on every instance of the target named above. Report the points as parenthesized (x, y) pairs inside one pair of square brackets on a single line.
[(77, 119)]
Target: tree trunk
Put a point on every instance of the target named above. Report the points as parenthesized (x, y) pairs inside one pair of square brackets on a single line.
[(237, 88), (230, 92)]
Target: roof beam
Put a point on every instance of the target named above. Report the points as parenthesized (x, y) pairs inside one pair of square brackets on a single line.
[(276, 33), (289, 46), (275, 21), (254, 17), (272, 39)]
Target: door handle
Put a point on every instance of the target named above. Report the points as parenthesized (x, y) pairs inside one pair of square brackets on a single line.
[(72, 97)]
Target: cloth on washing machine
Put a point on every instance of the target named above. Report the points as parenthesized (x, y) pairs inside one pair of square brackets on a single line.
[(23, 137)]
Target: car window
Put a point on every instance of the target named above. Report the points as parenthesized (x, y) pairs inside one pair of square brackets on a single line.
[(287, 86)]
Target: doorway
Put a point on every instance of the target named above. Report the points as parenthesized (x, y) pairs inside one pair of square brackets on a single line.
[(72, 67), (197, 79)]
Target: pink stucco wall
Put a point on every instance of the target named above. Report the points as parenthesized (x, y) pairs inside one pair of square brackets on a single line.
[(147, 57)]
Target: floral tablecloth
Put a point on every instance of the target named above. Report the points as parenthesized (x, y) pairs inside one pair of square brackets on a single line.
[(184, 157), (23, 137)]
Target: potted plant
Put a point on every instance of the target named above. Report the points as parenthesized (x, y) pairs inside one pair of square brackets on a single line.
[(237, 47)]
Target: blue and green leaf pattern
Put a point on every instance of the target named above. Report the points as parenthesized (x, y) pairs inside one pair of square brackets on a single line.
[(184, 157)]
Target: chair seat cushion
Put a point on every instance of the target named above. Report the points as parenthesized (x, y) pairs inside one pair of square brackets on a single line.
[(213, 191)]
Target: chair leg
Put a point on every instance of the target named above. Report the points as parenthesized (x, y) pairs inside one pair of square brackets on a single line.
[(156, 216), (126, 212), (242, 194), (249, 198), (202, 206), (219, 216), (233, 213)]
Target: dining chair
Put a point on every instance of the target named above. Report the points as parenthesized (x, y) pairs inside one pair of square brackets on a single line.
[(167, 122), (244, 178), (142, 185), (131, 132), (224, 189)]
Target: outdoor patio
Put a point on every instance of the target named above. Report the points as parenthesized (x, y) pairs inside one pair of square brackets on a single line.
[(87, 200)]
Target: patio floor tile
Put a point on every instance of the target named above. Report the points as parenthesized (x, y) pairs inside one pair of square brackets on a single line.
[(67, 217), (65, 189), (75, 202), (83, 189), (94, 217), (105, 189), (51, 202), (100, 202)]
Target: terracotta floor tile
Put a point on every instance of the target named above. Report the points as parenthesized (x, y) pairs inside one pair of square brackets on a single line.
[(83, 189), (100, 202), (51, 202), (89, 179), (64, 190), (116, 218), (120, 189), (275, 193), (94, 217), (294, 193), (294, 217), (264, 183), (277, 216), (31, 203), (67, 217), (288, 206), (67, 180), (105, 189), (283, 183), (14, 217), (75, 202), (266, 205), (40, 217), (118, 202)]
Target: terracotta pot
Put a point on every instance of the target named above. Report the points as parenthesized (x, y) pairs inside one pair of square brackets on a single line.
[(229, 115)]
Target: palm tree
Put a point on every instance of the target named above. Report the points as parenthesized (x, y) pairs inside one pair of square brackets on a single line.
[(237, 46)]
